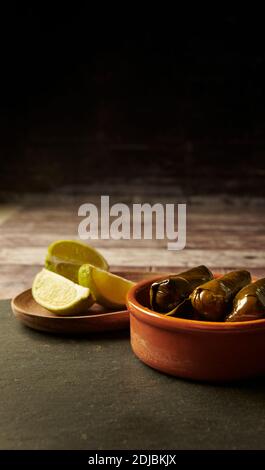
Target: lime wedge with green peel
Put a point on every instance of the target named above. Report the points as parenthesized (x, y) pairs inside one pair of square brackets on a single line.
[(60, 295), (66, 256), (108, 289)]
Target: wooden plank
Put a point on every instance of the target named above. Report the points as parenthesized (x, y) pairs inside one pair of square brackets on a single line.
[(148, 257), (202, 240), (220, 233), (7, 211), (40, 226), (69, 217)]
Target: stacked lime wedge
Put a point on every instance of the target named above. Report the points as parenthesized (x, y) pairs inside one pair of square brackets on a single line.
[(75, 277), (65, 257)]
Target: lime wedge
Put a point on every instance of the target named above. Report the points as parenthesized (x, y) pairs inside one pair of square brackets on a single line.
[(108, 289), (59, 295), (66, 256)]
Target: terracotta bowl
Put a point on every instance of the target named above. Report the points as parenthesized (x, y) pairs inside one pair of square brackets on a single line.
[(198, 350)]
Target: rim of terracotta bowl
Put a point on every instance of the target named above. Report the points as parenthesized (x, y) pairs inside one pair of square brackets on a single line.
[(174, 323)]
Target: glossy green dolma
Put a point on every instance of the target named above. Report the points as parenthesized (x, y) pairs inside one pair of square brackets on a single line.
[(249, 303), (213, 300), (168, 295)]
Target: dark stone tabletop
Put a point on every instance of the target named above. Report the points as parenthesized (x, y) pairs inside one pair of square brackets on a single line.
[(93, 393)]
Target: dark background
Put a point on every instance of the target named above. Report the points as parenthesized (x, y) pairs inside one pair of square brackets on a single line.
[(117, 98)]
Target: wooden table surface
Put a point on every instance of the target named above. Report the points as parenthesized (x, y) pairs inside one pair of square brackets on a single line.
[(223, 233)]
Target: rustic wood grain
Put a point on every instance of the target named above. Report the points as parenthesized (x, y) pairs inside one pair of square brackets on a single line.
[(148, 257), (223, 233), (7, 211)]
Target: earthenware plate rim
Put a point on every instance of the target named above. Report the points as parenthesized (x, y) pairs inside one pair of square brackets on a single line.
[(33, 316), (63, 317)]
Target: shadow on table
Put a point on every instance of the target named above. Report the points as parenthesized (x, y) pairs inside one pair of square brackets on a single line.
[(254, 384), (123, 334)]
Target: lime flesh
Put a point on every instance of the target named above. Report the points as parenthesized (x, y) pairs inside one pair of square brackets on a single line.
[(60, 295)]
